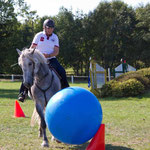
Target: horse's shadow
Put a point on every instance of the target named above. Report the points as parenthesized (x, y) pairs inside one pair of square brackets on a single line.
[(107, 147), (8, 93)]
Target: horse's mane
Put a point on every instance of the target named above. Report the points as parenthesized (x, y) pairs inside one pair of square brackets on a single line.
[(36, 55)]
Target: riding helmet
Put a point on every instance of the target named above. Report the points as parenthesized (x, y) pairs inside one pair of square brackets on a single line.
[(49, 23)]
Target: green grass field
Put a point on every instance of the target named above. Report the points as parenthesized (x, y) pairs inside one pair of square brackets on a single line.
[(127, 122)]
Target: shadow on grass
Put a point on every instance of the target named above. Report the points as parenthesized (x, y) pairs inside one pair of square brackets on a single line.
[(9, 93), (107, 147), (113, 147), (80, 147)]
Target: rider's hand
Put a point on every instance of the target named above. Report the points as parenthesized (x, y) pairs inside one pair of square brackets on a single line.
[(46, 55)]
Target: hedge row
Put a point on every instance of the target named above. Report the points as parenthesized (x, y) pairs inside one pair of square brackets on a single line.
[(129, 84)]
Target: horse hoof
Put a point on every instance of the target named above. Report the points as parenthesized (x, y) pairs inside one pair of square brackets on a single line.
[(45, 144)]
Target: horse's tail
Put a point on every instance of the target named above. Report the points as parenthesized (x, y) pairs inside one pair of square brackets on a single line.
[(35, 118)]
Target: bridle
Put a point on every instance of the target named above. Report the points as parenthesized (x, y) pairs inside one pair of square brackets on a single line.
[(44, 90), (43, 77)]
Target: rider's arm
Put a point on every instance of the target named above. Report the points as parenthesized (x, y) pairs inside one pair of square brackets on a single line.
[(33, 46), (56, 46), (55, 52)]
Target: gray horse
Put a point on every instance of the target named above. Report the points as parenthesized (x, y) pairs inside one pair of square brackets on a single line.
[(42, 83)]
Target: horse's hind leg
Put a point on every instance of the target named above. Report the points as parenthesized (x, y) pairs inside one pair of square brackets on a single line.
[(40, 110)]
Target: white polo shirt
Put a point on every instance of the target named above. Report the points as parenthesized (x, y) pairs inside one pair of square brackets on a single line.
[(44, 43)]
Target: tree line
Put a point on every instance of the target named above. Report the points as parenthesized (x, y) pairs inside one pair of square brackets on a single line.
[(113, 30)]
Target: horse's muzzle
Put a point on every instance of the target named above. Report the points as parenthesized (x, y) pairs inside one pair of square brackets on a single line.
[(27, 85)]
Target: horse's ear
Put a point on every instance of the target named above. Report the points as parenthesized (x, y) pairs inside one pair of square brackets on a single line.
[(37, 65), (19, 52)]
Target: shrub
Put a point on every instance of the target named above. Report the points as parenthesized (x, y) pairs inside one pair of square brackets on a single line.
[(145, 72), (106, 89), (135, 75), (117, 89), (129, 84), (131, 87)]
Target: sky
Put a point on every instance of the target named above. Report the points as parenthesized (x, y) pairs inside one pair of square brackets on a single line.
[(51, 7)]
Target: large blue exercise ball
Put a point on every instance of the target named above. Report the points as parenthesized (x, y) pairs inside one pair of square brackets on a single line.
[(73, 115)]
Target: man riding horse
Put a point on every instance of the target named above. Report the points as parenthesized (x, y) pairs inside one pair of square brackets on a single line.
[(47, 43)]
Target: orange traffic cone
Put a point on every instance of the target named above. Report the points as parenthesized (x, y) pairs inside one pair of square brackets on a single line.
[(98, 141), (18, 110)]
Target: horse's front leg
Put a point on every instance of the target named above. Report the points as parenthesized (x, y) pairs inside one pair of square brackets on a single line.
[(40, 110), (40, 131)]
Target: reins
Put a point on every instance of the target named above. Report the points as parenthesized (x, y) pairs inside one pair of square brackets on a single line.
[(42, 90)]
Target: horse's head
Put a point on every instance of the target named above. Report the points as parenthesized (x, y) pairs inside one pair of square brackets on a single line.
[(29, 62)]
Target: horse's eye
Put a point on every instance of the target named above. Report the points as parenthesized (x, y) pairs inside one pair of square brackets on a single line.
[(30, 64)]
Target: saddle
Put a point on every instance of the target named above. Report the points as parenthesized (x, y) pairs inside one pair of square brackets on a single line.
[(52, 68)]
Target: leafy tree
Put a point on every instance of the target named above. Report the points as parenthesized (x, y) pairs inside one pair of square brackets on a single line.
[(12, 33), (111, 32), (114, 25), (142, 34), (87, 42), (8, 22), (66, 32)]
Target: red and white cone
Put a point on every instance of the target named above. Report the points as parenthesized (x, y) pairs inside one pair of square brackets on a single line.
[(98, 141)]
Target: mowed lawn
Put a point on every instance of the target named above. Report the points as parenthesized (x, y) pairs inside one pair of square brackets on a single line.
[(127, 123)]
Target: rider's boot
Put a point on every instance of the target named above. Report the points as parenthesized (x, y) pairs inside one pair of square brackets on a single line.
[(64, 83), (23, 93)]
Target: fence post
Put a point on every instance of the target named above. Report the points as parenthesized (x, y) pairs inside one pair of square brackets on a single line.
[(12, 77), (72, 79)]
